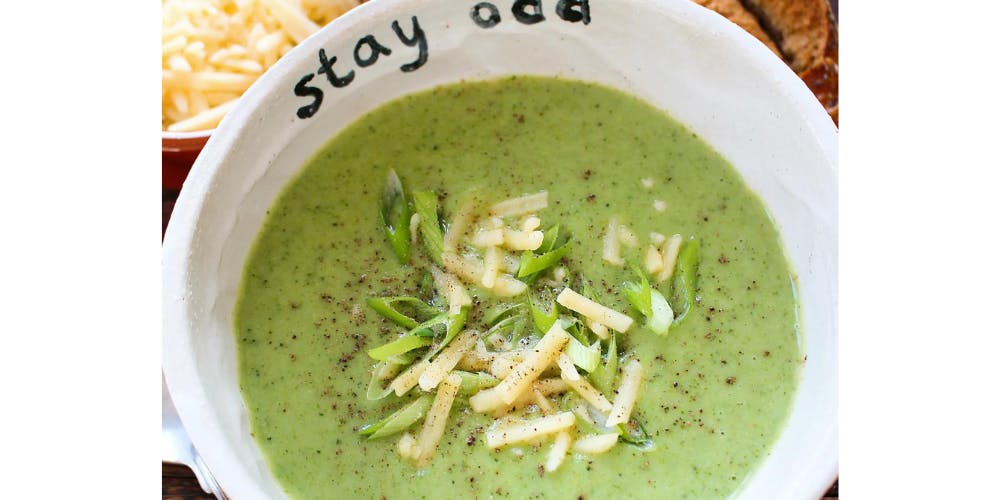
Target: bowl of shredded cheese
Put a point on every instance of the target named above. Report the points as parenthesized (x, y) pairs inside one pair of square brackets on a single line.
[(213, 50)]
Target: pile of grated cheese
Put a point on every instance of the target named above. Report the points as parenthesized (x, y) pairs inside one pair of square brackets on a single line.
[(529, 378), (213, 50)]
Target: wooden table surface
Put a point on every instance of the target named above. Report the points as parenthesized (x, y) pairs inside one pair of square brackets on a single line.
[(178, 481)]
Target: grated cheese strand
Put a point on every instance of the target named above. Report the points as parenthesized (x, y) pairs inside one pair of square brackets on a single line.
[(612, 249), (522, 240), (446, 360), (568, 370), (491, 266), (600, 330), (592, 310), (657, 239), (589, 393), (670, 250), (437, 417), (451, 288), (459, 224), (409, 378), (627, 237), (522, 205), (558, 451), (526, 372), (654, 260), (471, 271), (408, 446), (628, 394), (594, 444), (487, 238), (524, 430)]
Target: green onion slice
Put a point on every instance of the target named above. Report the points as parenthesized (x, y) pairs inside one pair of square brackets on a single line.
[(401, 345), (474, 382), (638, 294), (532, 264), (502, 311), (393, 309), (543, 319), (662, 315), (425, 203), (634, 433), (400, 420), (382, 373), (685, 282), (395, 214), (603, 376), (455, 324), (549, 238), (583, 356)]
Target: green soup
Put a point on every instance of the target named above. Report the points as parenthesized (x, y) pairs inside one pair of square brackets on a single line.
[(717, 389)]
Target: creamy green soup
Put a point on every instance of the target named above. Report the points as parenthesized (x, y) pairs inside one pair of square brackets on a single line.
[(718, 387)]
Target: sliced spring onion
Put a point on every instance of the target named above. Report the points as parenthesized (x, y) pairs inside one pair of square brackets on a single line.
[(405, 359), (603, 376), (524, 331), (551, 235), (404, 344), (426, 287), (685, 282), (420, 336), (659, 322), (425, 203), (400, 420), (503, 326), (583, 356), (634, 433), (543, 319), (423, 331), (587, 427), (574, 327), (638, 294), (395, 213), (502, 311), (389, 307), (586, 290), (455, 323), (532, 264), (474, 382), (382, 374)]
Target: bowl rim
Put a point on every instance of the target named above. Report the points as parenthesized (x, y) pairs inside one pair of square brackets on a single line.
[(179, 372)]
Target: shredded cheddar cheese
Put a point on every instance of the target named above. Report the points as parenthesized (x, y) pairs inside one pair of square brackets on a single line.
[(213, 50), (524, 430), (595, 444), (670, 251), (522, 205), (558, 451), (628, 394), (446, 360), (437, 417), (520, 381), (594, 311)]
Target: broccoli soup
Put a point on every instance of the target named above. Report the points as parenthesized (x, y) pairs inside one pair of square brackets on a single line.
[(522, 288)]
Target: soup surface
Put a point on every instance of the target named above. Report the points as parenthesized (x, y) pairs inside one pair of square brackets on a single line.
[(718, 387)]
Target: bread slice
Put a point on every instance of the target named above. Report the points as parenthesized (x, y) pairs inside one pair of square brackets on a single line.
[(802, 32), (739, 15), (803, 29), (806, 33)]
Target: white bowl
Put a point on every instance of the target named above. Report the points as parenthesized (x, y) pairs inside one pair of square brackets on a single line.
[(704, 71)]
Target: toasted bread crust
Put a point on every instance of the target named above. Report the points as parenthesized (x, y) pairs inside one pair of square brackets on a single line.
[(802, 32), (739, 15)]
